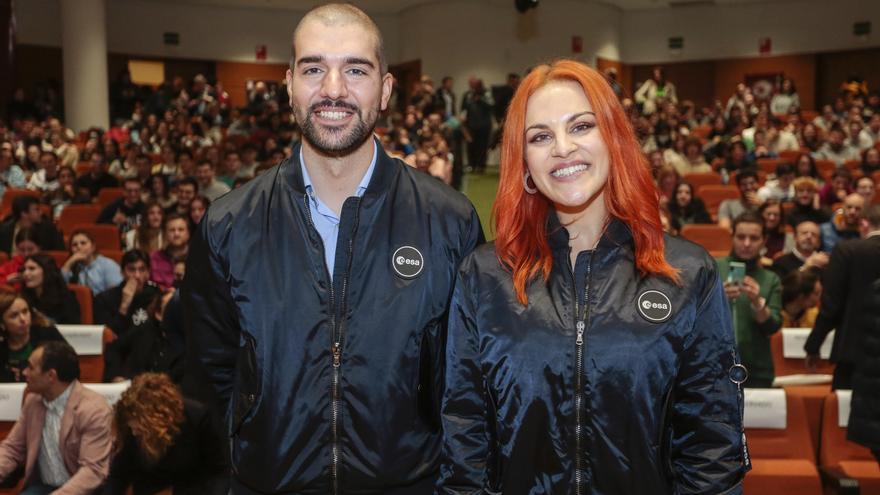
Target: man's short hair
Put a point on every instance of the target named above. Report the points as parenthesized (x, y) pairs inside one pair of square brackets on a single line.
[(133, 256), (745, 174), (60, 356), (750, 217), (21, 204), (784, 168), (872, 215), (205, 162), (50, 153), (343, 14), (189, 181), (133, 180), (798, 283)]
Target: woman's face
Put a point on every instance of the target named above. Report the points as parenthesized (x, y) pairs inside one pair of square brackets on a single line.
[(683, 195), (157, 187), (565, 153), (65, 177), (872, 157), (197, 211), (17, 318), (33, 153), (32, 274), (81, 244), (804, 196), (154, 217), (809, 132), (804, 167), (772, 215)]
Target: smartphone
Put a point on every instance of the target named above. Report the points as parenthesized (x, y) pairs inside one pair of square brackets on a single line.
[(737, 272)]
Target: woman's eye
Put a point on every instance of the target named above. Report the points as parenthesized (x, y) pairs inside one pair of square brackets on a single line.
[(583, 126), (539, 138)]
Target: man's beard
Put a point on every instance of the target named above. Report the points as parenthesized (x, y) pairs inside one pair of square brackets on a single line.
[(336, 141)]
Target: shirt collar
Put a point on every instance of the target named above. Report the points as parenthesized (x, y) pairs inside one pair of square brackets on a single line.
[(58, 404), (361, 188)]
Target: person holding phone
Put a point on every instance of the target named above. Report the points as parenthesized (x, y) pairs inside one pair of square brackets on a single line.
[(755, 296)]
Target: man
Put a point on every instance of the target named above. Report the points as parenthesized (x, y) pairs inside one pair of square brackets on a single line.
[(98, 177), (125, 307), (866, 189), (748, 201), (836, 149), (231, 168), (477, 112), (444, 98), (186, 191), (844, 225), (162, 261), (756, 301), (209, 186), (805, 255), (46, 179), (11, 174), (127, 211), (780, 188), (846, 300), (26, 213), (62, 437), (317, 292)]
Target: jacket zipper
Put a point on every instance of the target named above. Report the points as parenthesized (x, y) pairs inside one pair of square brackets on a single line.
[(580, 328)]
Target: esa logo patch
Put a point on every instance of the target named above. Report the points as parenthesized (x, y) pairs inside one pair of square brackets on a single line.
[(407, 262), (654, 306)]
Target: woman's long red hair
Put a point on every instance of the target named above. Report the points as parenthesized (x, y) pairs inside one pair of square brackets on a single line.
[(520, 218)]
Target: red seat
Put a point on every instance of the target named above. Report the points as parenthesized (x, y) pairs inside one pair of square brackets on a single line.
[(10, 195), (73, 215), (825, 168), (105, 236), (84, 298), (712, 196), (109, 195), (703, 179), (854, 460), (712, 237), (60, 257)]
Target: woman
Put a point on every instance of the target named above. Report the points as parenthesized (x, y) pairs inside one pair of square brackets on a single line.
[(21, 331), (159, 191), (165, 443), (806, 203), (580, 348), (197, 209), (45, 290), (837, 189), (687, 208), (801, 291), (870, 161), (148, 236), (786, 99), (805, 166), (86, 267), (27, 243), (162, 262), (778, 240), (667, 178)]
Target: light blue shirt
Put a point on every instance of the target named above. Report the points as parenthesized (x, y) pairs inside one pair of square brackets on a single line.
[(99, 276), (325, 220), (13, 177)]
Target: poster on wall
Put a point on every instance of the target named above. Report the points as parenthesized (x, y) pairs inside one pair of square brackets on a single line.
[(261, 52), (765, 46)]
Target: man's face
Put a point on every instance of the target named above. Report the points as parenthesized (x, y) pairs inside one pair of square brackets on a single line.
[(852, 209), (185, 194), (785, 180), (336, 87), (177, 233), (136, 271), (33, 213), (748, 239), (807, 237), (38, 381), (49, 163), (205, 175), (132, 192), (747, 185), (865, 188), (97, 162)]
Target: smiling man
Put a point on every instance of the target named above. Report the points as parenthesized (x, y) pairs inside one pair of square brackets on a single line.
[(318, 292)]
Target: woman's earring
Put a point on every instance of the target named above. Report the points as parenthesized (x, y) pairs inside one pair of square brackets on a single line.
[(529, 189)]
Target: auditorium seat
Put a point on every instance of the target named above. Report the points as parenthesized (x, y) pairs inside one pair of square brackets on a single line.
[(108, 195), (852, 459), (793, 365), (59, 256), (825, 168), (113, 254), (768, 165), (73, 215), (782, 459), (82, 168), (712, 196), (701, 131), (711, 237), (106, 236), (10, 195), (89, 342), (703, 179), (84, 298), (791, 155)]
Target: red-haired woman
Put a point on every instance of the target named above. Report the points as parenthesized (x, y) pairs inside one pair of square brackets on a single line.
[(587, 352)]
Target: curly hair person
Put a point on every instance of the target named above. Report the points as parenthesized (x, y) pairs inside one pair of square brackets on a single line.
[(150, 412)]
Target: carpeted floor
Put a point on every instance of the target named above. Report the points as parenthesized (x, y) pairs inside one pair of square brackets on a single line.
[(480, 189)]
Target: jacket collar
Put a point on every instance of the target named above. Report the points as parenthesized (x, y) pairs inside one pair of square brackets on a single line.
[(384, 174), (617, 233)]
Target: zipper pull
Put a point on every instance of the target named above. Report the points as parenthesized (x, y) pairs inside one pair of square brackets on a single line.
[(337, 355), (580, 333)]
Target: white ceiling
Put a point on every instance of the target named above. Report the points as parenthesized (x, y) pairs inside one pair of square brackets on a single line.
[(394, 6)]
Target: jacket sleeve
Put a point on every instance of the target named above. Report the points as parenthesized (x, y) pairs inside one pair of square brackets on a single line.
[(465, 449), (834, 296), (94, 452), (13, 450), (707, 447), (214, 331)]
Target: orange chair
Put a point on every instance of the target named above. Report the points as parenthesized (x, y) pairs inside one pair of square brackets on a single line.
[(703, 179), (106, 236), (809, 115), (713, 196), (839, 454), (59, 256), (793, 366), (82, 168), (10, 195), (92, 367), (701, 131), (84, 298), (782, 460), (3, 257), (712, 237), (113, 254), (791, 155), (109, 195), (768, 165), (77, 214), (825, 168), (852, 165)]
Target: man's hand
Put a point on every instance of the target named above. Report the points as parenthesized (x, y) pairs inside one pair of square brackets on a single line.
[(812, 362), (119, 218), (751, 289), (129, 290), (818, 259)]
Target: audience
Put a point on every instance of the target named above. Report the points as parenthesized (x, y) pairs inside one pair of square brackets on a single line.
[(801, 290), (45, 290), (844, 224), (125, 307), (747, 183), (805, 254), (686, 208), (806, 205), (162, 262), (778, 240), (127, 211), (147, 236), (62, 437), (26, 214)]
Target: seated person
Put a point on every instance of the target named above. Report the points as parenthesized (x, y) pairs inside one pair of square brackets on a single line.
[(86, 267), (26, 245), (62, 437), (165, 443), (125, 306), (26, 213), (801, 290), (806, 203), (748, 201), (144, 348), (45, 290), (148, 235), (21, 331), (805, 255), (97, 178), (780, 187), (837, 189), (162, 262), (127, 211), (844, 224), (685, 208)]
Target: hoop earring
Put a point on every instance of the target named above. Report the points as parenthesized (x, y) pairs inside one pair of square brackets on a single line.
[(528, 189)]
